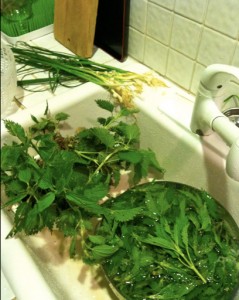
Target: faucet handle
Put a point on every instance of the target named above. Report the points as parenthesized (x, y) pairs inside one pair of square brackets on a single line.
[(216, 76)]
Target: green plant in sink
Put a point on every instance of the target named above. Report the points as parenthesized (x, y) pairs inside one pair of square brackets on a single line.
[(180, 245), (58, 181), (159, 240)]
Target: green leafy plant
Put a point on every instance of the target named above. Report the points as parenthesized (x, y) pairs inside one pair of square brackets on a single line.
[(68, 70), (165, 240), (59, 181)]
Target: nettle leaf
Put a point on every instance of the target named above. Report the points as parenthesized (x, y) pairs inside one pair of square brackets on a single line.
[(167, 229), (151, 204), (96, 192), (160, 242), (104, 136), (105, 121), (34, 119), (33, 223), (15, 187), (43, 203), (43, 124), (47, 147), (103, 251), (45, 181), (16, 129), (161, 232), (67, 222), (181, 224), (61, 116), (185, 235), (125, 112), (85, 204), (14, 200), (172, 289), (49, 216), (132, 156), (148, 160), (163, 202), (125, 215), (101, 121), (97, 239), (10, 156), (193, 217), (104, 104), (205, 218), (211, 205), (130, 131), (25, 175)]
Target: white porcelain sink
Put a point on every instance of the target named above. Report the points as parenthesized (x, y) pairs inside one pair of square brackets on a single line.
[(38, 267)]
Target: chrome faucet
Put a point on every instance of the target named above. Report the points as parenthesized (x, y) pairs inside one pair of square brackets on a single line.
[(207, 116), (233, 114)]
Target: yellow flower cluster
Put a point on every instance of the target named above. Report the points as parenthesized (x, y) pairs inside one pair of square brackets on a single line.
[(124, 87)]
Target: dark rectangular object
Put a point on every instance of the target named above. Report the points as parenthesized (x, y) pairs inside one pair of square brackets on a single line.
[(111, 32)]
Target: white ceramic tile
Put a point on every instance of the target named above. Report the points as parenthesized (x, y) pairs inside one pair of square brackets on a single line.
[(196, 78), (235, 60), (192, 9), (155, 55), (185, 36), (136, 44), (159, 23), (138, 11), (215, 48), (223, 15), (165, 3), (180, 69)]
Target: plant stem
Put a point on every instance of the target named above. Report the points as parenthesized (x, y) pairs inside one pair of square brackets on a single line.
[(189, 263)]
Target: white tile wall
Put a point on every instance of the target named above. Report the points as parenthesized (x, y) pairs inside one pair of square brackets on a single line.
[(179, 38), (180, 69), (192, 9), (138, 13), (159, 23), (223, 16), (165, 3), (183, 31), (155, 55), (215, 48)]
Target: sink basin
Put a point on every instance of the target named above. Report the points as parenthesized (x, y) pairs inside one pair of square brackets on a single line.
[(38, 267)]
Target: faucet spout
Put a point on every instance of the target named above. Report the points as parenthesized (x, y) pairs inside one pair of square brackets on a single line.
[(207, 116), (214, 78), (232, 163)]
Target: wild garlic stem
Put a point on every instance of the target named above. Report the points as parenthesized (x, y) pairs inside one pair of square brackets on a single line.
[(123, 85)]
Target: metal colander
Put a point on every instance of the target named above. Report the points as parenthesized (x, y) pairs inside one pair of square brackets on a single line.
[(8, 79)]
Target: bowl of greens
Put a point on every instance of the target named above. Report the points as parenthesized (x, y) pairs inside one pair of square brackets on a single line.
[(167, 240)]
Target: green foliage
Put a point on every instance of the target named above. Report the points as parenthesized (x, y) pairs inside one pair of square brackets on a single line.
[(168, 241), (62, 184)]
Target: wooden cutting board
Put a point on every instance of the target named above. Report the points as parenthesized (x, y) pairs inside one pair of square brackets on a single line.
[(74, 25)]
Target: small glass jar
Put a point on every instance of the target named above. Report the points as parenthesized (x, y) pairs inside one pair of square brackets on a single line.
[(17, 12), (8, 79)]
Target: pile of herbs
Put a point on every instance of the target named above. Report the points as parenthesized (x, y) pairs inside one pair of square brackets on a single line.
[(58, 181), (181, 244), (55, 68)]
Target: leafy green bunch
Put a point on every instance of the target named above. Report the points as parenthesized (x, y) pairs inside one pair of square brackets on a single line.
[(174, 242), (58, 181), (68, 70)]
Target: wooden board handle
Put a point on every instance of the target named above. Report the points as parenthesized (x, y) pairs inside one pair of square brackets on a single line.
[(74, 25)]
